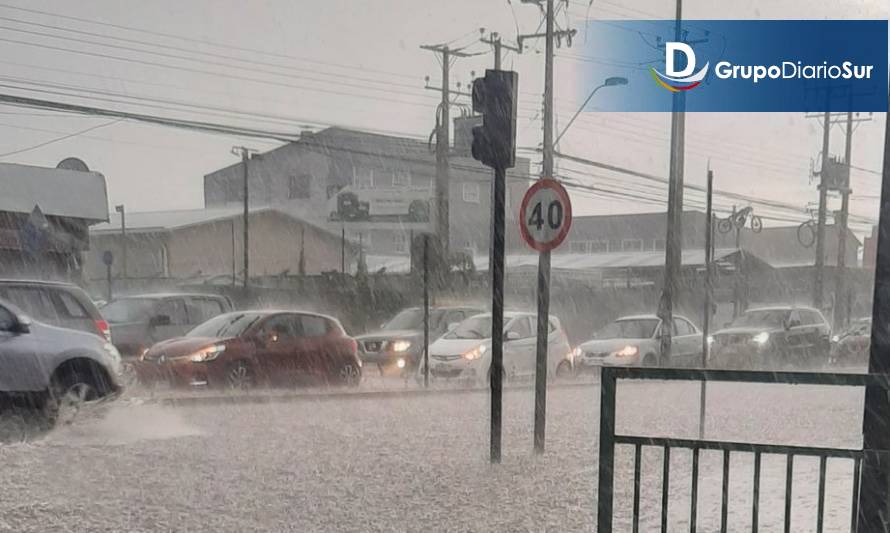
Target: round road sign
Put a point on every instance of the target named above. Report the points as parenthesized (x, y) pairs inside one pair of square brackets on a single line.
[(545, 215)]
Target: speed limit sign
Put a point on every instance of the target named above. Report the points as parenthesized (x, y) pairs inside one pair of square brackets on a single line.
[(545, 215)]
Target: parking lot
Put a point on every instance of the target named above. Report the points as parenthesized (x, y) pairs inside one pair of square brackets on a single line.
[(407, 462)]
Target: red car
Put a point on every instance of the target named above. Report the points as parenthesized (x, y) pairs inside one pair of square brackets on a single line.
[(247, 348)]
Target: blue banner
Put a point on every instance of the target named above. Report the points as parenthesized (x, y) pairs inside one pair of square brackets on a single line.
[(736, 65)]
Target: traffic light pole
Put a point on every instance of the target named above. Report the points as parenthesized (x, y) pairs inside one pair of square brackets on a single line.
[(497, 310)]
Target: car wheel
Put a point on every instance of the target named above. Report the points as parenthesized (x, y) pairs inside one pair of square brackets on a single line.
[(349, 375), (68, 398), (650, 361), (563, 370), (240, 376)]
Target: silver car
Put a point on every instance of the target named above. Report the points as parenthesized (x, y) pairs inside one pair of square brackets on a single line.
[(636, 341), (56, 369)]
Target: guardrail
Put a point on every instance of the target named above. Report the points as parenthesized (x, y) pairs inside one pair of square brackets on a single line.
[(608, 441)]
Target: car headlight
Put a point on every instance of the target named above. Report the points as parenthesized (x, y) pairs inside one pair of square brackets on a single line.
[(710, 340), (400, 346), (835, 338), (627, 351), (111, 350), (577, 352), (208, 354), (401, 362), (475, 353), (761, 338)]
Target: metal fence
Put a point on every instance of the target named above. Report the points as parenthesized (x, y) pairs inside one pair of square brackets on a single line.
[(609, 440)]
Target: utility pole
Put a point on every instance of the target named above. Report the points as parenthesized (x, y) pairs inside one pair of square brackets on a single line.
[(841, 317), (818, 282), (443, 134), (498, 45), (543, 295), (122, 210), (706, 318), (673, 256), (245, 154)]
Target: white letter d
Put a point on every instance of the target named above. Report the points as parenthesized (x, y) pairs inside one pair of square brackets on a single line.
[(670, 49)]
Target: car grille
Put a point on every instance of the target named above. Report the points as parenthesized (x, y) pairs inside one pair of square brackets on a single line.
[(445, 357), (595, 355)]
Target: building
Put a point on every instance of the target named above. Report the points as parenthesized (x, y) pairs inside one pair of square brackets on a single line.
[(208, 245), (379, 189), (45, 214), (779, 246)]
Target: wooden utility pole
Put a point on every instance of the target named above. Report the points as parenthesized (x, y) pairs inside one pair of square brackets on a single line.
[(543, 295), (443, 143)]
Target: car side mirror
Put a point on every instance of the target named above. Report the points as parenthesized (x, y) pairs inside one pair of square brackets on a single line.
[(23, 324), (511, 336), (159, 320)]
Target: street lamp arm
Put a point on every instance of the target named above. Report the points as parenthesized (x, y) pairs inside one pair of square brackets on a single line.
[(578, 112)]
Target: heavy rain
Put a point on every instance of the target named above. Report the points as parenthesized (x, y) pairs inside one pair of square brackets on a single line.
[(466, 266)]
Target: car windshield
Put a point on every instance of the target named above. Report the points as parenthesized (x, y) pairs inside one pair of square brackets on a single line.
[(225, 326), (768, 318), (128, 310), (477, 327), (629, 329), (413, 319)]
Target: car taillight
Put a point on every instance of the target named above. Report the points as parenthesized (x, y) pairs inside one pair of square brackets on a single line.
[(353, 346), (104, 330)]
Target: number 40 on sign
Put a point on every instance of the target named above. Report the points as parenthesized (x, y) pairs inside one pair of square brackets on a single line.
[(545, 215)]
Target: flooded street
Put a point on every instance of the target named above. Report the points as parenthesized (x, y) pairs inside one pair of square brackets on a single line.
[(411, 463)]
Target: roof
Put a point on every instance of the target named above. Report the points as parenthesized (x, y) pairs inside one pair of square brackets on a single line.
[(162, 221), (159, 295), (565, 262), (58, 192)]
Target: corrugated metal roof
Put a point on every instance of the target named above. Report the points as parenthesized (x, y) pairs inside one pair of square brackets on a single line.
[(157, 221), (566, 262), (58, 192)]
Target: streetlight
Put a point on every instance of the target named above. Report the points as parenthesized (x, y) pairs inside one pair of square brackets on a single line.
[(120, 209), (610, 82)]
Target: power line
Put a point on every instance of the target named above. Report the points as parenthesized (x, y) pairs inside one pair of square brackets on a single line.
[(202, 41), (212, 73), (58, 139)]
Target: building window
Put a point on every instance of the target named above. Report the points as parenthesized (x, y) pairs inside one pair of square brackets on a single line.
[(363, 178), (658, 245), (631, 245), (400, 243), (471, 192), (401, 178), (300, 187)]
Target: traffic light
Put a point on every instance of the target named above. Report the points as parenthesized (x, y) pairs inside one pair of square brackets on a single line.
[(494, 97)]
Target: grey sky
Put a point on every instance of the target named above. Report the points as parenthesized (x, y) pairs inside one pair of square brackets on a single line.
[(357, 63)]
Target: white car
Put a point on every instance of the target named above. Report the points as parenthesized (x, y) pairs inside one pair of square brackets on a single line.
[(636, 341), (464, 353)]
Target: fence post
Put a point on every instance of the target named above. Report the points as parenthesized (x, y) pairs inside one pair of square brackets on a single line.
[(606, 451)]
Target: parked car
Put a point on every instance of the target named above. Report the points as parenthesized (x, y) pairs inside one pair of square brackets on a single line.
[(772, 337), (139, 321), (398, 345), (636, 341), (465, 352), (851, 346), (243, 349), (55, 303), (57, 369)]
